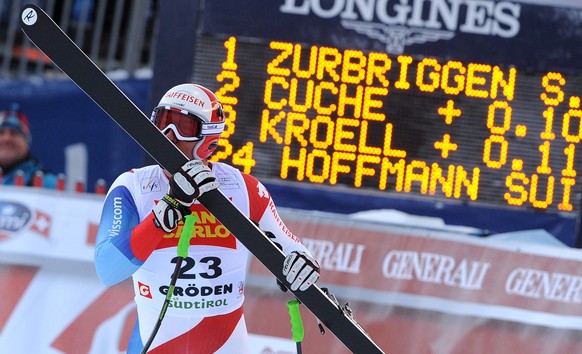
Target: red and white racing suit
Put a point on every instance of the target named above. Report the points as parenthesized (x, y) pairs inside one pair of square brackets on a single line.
[(205, 313)]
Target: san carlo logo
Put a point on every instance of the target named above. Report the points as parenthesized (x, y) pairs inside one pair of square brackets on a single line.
[(398, 24), (14, 217)]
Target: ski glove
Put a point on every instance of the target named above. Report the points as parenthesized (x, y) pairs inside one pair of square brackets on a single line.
[(192, 180), (301, 270), (168, 213)]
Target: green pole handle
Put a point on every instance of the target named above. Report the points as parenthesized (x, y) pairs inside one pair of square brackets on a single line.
[(186, 235), (296, 322)]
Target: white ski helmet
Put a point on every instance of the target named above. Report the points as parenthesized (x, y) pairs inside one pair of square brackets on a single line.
[(193, 113)]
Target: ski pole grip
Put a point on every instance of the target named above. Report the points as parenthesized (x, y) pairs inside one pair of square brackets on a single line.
[(296, 322), (186, 235)]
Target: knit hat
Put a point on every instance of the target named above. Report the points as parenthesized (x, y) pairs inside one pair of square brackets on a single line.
[(16, 120)]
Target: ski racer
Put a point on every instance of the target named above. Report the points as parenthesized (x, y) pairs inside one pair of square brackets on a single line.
[(140, 228)]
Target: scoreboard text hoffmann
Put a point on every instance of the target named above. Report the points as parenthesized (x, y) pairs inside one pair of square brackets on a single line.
[(430, 127)]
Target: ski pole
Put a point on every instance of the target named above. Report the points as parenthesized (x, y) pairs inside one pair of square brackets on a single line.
[(183, 244), (296, 323)]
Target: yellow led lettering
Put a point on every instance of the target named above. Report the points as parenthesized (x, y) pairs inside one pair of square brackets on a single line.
[(319, 89), (436, 177), (387, 149), (315, 132), (307, 100), (342, 135), (548, 115), (224, 151), (388, 168), (573, 113), (337, 167), (471, 185), (569, 171), (326, 107), (287, 162), (449, 112), (296, 130), (498, 140), (516, 183), (432, 67), (567, 183), (222, 92), (268, 97), (353, 67), (506, 117), (229, 124), (501, 153), (362, 146), (355, 101), (328, 61), (508, 85), (417, 171), (362, 170), (229, 63), (402, 82), (520, 130), (268, 125), (311, 65), (543, 204), (474, 80), (244, 157), (230, 82), (370, 102), (453, 77), (552, 82), (543, 168), (325, 166), (378, 65), (445, 146), (286, 50)]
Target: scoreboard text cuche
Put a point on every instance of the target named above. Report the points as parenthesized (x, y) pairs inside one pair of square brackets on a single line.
[(439, 128)]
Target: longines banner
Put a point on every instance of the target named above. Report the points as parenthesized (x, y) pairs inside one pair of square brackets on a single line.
[(414, 290), (532, 37)]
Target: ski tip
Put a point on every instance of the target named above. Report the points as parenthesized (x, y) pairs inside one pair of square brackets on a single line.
[(29, 15)]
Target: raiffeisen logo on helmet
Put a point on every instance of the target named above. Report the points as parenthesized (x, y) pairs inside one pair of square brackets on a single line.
[(399, 23), (186, 97)]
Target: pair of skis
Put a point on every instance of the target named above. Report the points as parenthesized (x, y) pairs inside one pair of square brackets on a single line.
[(65, 54)]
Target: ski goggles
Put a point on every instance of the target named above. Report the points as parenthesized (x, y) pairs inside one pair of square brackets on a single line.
[(186, 126)]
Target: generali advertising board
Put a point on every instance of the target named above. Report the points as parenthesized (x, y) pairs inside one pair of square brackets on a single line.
[(413, 289)]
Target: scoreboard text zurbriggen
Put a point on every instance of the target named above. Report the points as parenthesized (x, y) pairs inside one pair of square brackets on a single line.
[(395, 123)]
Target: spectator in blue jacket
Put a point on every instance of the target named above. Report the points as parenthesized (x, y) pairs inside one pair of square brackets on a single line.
[(15, 157)]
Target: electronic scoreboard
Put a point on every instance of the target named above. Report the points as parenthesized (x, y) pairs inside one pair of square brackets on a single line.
[(423, 125)]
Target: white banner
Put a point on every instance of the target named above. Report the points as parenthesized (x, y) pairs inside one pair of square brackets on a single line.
[(52, 301), (414, 290)]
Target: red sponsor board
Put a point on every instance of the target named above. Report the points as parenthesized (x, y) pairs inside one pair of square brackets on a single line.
[(422, 291), (388, 259), (415, 290)]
